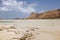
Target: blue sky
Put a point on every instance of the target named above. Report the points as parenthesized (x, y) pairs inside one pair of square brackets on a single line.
[(22, 8)]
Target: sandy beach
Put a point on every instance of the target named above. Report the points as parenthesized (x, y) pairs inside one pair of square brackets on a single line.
[(30, 29)]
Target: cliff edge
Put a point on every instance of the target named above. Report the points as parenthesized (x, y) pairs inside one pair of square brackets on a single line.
[(52, 14)]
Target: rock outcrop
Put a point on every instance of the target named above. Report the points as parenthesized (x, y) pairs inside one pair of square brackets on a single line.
[(52, 14)]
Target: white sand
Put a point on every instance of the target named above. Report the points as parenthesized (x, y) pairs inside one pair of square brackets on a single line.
[(38, 30)]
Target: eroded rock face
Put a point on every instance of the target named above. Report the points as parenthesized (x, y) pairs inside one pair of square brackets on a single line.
[(52, 14), (33, 15)]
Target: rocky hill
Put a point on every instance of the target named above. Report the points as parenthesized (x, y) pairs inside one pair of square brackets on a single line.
[(52, 14)]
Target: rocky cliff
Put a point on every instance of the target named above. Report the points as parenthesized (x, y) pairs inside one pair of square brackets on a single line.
[(52, 14)]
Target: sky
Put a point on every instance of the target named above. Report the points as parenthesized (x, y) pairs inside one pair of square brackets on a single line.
[(23, 8)]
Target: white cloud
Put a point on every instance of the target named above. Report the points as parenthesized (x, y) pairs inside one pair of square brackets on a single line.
[(13, 5), (3, 9), (28, 9), (42, 11), (32, 4)]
